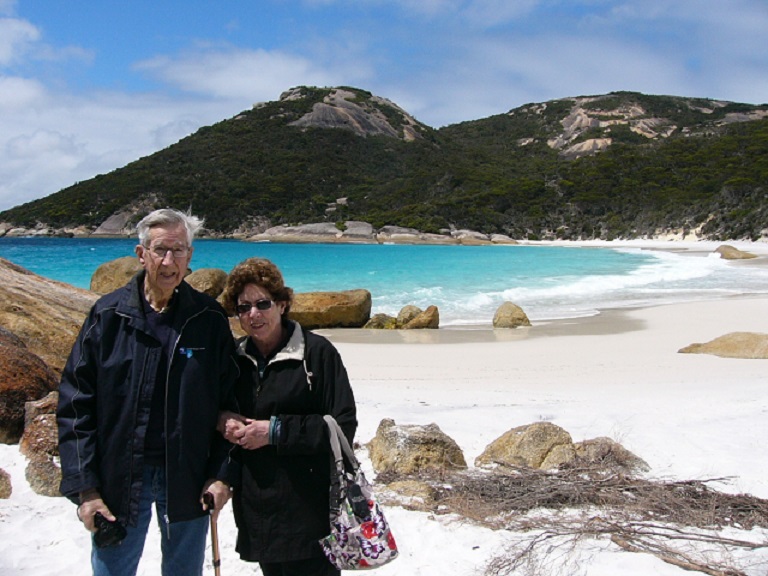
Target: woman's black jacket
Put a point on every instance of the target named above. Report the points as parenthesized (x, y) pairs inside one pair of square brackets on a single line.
[(282, 503)]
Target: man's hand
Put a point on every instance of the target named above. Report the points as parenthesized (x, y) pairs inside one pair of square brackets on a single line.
[(90, 504), (220, 492), (231, 425)]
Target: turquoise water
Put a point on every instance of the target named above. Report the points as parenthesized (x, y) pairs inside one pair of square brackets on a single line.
[(467, 283)]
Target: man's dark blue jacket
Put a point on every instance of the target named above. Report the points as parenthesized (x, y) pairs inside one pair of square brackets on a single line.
[(102, 422)]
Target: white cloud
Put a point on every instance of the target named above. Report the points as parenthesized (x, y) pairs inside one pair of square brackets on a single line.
[(41, 142), (32, 161), (245, 76), (19, 93), (574, 65), (16, 38), (66, 139), (249, 75), (242, 74), (21, 42)]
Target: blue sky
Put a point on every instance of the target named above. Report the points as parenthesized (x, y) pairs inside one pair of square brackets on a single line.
[(87, 86)]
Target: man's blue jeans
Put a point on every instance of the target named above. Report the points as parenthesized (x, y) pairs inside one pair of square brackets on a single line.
[(182, 543)]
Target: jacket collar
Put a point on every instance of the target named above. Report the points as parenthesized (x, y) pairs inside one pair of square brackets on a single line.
[(293, 350), (132, 305)]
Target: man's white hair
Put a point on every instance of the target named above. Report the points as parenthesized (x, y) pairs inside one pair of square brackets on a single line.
[(166, 217)]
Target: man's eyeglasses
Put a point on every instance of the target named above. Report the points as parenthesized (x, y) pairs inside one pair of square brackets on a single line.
[(160, 252), (245, 307)]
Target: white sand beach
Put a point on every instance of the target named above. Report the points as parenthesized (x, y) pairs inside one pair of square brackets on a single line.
[(618, 374)]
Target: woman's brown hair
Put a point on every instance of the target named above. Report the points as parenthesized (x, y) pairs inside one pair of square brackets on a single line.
[(261, 272)]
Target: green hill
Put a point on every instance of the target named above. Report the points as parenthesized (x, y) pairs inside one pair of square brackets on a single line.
[(618, 165)]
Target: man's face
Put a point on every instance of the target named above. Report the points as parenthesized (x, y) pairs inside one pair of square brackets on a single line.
[(165, 258)]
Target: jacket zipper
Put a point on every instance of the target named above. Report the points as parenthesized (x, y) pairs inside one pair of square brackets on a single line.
[(166, 516)]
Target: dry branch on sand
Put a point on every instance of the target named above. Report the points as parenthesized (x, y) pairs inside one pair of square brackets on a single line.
[(551, 514)]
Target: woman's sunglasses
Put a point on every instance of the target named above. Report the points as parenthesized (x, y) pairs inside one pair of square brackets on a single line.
[(245, 307)]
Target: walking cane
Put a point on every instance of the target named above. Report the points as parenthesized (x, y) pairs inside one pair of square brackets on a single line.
[(209, 502)]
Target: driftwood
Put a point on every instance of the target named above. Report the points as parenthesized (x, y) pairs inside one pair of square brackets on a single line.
[(688, 523)]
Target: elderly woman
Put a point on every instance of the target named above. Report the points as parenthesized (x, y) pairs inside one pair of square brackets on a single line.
[(289, 379)]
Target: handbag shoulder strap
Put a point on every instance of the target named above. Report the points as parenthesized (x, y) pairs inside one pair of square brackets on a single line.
[(339, 444), (340, 449)]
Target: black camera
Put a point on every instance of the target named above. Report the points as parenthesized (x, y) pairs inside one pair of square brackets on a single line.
[(107, 533)]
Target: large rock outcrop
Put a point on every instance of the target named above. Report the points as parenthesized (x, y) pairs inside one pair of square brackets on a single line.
[(112, 275), (319, 232), (411, 449), (118, 224), (44, 477), (546, 446), (40, 439), (382, 322), (426, 319), (46, 315), (211, 281), (510, 315), (344, 309), (8, 338), (23, 377), (410, 317), (533, 445), (40, 444), (6, 488), (604, 454), (599, 116), (728, 252), (346, 109), (401, 235), (753, 345), (356, 232)]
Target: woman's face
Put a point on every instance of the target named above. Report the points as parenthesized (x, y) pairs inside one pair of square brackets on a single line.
[(262, 325)]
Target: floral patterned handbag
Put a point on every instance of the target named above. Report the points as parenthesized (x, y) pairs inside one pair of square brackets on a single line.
[(360, 536)]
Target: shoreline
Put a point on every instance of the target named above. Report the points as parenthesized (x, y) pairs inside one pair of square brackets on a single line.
[(608, 321)]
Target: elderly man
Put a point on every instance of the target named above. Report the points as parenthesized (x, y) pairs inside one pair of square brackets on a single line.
[(138, 405)]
